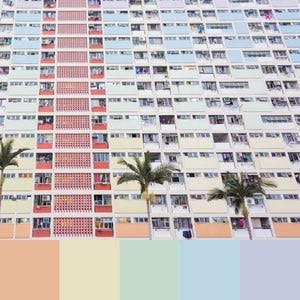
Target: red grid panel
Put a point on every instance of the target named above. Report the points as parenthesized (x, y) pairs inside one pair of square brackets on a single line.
[(72, 72), (72, 122), (72, 3), (72, 203), (72, 16), (72, 181), (72, 88), (72, 29), (72, 160), (68, 227), (72, 43), (72, 57), (76, 140), (72, 104)]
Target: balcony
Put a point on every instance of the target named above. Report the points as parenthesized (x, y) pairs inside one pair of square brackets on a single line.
[(261, 228), (49, 4), (104, 227), (41, 228), (183, 228), (45, 123), (49, 16), (99, 141), (44, 141), (44, 161), (43, 182), (102, 181), (238, 228), (45, 105), (161, 228)]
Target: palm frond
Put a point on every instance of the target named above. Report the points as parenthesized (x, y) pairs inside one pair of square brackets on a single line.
[(13, 162), (7, 155), (123, 162), (217, 194), (267, 183), (163, 173), (19, 151)]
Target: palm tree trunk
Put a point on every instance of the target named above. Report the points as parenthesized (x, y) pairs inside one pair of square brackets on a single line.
[(149, 219), (247, 221), (148, 198), (2, 178)]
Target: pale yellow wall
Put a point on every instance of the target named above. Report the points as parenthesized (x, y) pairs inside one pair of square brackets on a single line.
[(189, 106), (123, 106), (284, 184), (24, 143), (203, 183), (114, 163), (258, 86), (186, 90), (121, 90), (246, 73), (297, 73), (18, 184), (196, 143), (211, 207), (129, 206), (200, 162), (21, 74), (24, 163), (125, 143), (19, 206), (130, 186), (119, 74), (89, 269), (284, 206), (183, 74), (257, 106), (273, 163), (266, 143)]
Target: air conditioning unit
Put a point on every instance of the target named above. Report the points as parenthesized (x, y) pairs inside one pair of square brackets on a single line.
[(250, 201)]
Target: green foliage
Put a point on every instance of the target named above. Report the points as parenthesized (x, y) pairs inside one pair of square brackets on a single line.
[(239, 188), (7, 155), (143, 173)]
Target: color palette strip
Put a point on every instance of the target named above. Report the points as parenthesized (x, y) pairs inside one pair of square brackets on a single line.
[(134, 270)]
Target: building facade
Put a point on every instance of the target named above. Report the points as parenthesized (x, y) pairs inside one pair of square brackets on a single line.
[(209, 85)]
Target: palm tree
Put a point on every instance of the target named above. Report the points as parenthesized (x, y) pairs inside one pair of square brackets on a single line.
[(7, 158), (240, 188), (143, 173)]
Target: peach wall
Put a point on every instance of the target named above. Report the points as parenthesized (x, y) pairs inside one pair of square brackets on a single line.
[(287, 230), (23, 231), (31, 270), (213, 230), (6, 231), (132, 230)]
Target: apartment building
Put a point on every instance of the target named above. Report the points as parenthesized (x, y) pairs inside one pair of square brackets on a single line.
[(209, 85)]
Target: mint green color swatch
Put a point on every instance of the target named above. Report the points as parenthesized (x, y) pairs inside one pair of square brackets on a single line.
[(150, 270)]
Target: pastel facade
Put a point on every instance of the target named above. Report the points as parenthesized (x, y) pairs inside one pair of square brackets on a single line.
[(210, 86)]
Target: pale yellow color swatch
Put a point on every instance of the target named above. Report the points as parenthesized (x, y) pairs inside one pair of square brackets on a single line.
[(89, 269)]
